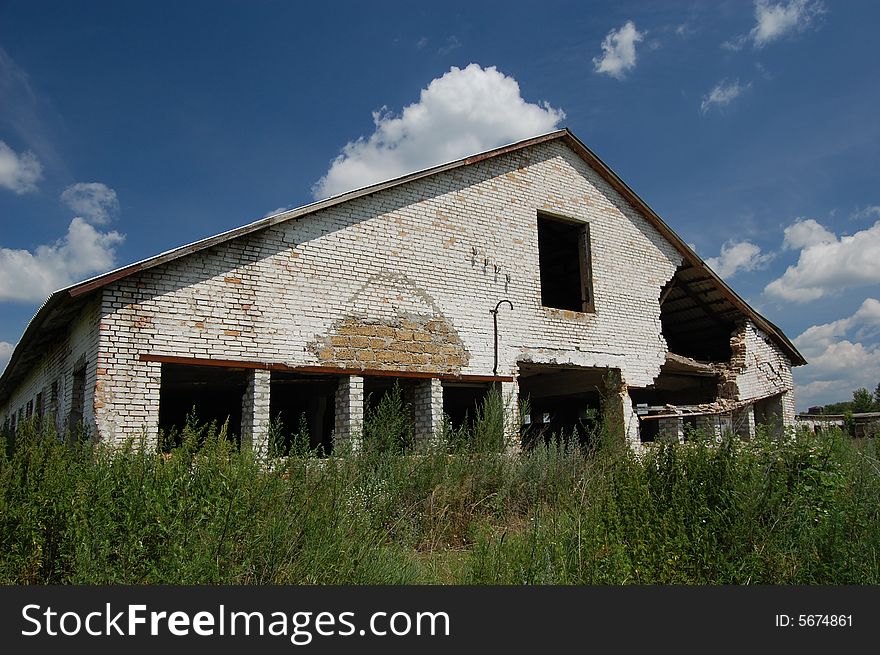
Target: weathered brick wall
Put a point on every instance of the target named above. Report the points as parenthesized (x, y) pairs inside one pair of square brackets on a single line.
[(764, 370), (401, 279), (79, 345)]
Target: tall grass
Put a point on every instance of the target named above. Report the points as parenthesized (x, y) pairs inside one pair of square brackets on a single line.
[(800, 511)]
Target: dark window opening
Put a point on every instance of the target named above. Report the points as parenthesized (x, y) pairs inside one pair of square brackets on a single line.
[(564, 261), (29, 409), (77, 398), (461, 400), (39, 405), (564, 405), (214, 393), (302, 408)]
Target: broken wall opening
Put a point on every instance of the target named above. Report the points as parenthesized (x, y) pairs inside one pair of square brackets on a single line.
[(213, 392), (697, 318), (302, 409), (565, 404), (666, 407), (461, 401), (768, 412)]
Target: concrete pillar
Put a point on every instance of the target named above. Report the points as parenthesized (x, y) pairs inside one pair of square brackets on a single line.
[(349, 421), (630, 422), (788, 410), (428, 408), (510, 398), (255, 412), (744, 422)]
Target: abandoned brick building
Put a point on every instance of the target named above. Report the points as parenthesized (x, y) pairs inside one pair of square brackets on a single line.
[(309, 312)]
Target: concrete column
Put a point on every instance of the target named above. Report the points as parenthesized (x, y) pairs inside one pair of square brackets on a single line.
[(428, 408), (630, 422), (255, 413), (788, 410), (349, 421), (744, 422), (510, 398)]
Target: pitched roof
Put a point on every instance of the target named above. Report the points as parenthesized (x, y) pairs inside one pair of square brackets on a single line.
[(64, 303)]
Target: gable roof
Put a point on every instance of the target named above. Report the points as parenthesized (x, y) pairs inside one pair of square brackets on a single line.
[(64, 303)]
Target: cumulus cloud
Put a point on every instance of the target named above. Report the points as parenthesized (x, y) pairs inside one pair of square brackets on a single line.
[(723, 94), (27, 276), (19, 172), (843, 355), (464, 111), (619, 51), (6, 349), (93, 201), (738, 256), (805, 233), (774, 20), (827, 262), (30, 276)]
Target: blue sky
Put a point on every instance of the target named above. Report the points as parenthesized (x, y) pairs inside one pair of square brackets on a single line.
[(753, 128)]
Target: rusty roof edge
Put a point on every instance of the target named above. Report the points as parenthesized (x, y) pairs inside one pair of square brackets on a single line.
[(692, 257)]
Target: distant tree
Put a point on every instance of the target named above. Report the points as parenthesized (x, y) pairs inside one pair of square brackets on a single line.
[(877, 395), (863, 401), (838, 408)]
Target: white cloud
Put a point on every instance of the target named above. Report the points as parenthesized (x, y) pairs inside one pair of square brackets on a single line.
[(619, 51), (738, 256), (452, 43), (827, 263), (93, 201), (6, 349), (19, 172), (722, 94), (277, 210), (465, 111), (871, 211), (774, 20), (804, 233), (30, 276), (843, 355), (27, 276)]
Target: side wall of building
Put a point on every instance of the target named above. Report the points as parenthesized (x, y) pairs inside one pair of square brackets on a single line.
[(76, 349)]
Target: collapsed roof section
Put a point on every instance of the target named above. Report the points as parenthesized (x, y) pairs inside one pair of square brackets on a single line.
[(698, 318)]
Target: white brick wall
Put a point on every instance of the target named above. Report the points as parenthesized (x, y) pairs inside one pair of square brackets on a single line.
[(437, 251)]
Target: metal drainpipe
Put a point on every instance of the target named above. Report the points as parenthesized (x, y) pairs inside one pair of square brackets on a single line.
[(494, 313)]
